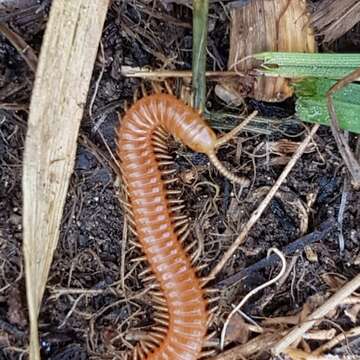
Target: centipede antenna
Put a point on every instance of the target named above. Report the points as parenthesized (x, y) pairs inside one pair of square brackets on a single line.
[(226, 173), (231, 134)]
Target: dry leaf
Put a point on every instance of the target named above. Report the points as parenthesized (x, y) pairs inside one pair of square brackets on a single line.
[(15, 312), (4, 339), (285, 146), (68, 53), (262, 25), (320, 334), (352, 312), (333, 281), (237, 330), (310, 253), (228, 94), (188, 176)]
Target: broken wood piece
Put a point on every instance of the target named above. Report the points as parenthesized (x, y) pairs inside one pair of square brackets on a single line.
[(160, 75), (333, 18), (62, 80), (268, 25), (257, 345), (298, 331), (25, 50)]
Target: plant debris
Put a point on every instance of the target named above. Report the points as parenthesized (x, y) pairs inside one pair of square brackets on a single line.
[(95, 306)]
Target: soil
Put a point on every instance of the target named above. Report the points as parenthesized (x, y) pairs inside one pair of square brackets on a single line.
[(103, 320)]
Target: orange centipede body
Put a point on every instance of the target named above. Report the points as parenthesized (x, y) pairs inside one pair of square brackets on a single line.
[(181, 313)]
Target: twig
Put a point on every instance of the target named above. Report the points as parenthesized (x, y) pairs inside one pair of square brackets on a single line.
[(97, 83), (68, 315), (144, 73), (200, 28), (253, 292), (351, 345), (261, 208), (25, 50), (254, 346), (333, 19), (340, 219), (15, 9), (343, 146), (336, 340), (298, 354), (123, 255), (317, 315), (56, 293), (289, 249), (11, 329)]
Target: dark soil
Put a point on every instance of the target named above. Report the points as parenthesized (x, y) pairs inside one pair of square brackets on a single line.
[(92, 254)]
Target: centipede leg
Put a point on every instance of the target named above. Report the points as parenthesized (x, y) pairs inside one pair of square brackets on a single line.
[(199, 267), (210, 336), (207, 353), (156, 87), (143, 89), (168, 87), (184, 236), (136, 95), (211, 290), (206, 280), (213, 299), (154, 339), (151, 157), (210, 320)]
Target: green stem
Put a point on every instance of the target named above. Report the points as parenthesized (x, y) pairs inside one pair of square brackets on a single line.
[(200, 26)]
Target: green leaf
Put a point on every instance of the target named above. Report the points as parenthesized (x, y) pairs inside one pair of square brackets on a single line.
[(311, 105), (300, 65)]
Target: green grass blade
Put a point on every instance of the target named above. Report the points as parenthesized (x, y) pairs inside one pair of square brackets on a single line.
[(311, 105), (299, 65), (200, 29)]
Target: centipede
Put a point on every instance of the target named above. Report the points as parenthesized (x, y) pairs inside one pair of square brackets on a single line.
[(181, 307)]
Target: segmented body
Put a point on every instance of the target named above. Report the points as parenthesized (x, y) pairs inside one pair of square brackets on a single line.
[(181, 309)]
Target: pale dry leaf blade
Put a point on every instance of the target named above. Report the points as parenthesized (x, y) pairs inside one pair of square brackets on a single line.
[(62, 80)]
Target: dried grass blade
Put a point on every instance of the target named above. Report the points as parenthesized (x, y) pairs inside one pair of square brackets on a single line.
[(62, 79)]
